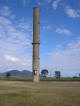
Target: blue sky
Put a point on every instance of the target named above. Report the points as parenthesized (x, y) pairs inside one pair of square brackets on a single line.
[(59, 35)]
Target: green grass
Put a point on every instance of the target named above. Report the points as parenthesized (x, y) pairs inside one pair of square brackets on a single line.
[(42, 79), (61, 79), (15, 79), (51, 93)]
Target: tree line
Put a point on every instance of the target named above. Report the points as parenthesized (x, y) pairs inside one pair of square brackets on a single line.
[(44, 73)]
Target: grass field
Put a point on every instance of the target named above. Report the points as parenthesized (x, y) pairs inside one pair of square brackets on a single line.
[(18, 93), (41, 79)]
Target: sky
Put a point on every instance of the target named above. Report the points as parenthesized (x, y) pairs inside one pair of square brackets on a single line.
[(59, 35)]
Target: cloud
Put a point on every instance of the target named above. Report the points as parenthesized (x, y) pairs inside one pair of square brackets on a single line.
[(55, 4), (18, 60), (44, 2), (39, 3), (15, 43), (5, 11), (26, 26), (11, 58), (72, 13), (63, 31), (12, 16), (47, 27), (48, 1), (67, 59), (25, 2), (4, 21)]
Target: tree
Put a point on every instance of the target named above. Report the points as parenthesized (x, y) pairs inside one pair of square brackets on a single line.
[(57, 74), (8, 74), (44, 72)]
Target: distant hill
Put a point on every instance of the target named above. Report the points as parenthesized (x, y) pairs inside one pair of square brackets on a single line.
[(16, 73)]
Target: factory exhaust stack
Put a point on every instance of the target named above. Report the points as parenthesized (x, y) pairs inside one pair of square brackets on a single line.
[(35, 44)]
